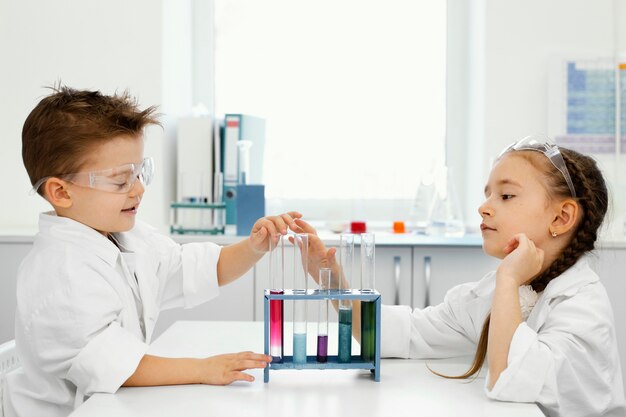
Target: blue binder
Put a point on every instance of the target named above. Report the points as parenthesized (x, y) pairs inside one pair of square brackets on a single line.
[(240, 127)]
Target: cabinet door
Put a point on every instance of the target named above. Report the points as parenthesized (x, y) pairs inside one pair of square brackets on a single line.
[(11, 256), (437, 269), (234, 303), (610, 265), (393, 275)]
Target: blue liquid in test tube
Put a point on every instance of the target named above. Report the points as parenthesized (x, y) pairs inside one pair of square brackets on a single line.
[(301, 245), (346, 257)]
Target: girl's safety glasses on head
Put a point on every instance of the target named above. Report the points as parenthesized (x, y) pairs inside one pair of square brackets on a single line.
[(549, 149), (113, 180)]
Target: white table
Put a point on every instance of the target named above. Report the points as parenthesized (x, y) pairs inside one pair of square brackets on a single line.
[(406, 388)]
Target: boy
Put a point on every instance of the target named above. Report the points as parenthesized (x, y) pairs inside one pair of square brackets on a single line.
[(90, 290)]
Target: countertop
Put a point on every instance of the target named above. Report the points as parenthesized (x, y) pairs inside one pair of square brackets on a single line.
[(406, 387)]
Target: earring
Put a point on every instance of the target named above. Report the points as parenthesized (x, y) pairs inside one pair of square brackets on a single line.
[(554, 234)]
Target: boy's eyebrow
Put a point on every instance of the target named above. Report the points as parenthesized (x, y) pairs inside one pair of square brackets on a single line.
[(505, 181)]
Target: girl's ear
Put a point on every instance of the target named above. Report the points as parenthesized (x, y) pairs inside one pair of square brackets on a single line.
[(566, 218), (55, 191)]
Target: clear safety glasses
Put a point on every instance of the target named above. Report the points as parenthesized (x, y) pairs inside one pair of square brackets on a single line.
[(118, 180), (549, 149)]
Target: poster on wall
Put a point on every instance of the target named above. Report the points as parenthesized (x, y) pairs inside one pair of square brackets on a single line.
[(584, 102)]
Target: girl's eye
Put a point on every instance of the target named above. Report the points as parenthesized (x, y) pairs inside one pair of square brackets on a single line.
[(507, 196)]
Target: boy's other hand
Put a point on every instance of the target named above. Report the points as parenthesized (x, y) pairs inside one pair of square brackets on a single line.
[(226, 369), (272, 226)]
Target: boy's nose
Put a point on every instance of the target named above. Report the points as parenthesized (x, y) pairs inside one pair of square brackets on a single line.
[(137, 189)]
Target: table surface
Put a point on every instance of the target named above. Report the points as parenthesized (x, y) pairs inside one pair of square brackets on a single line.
[(406, 388)]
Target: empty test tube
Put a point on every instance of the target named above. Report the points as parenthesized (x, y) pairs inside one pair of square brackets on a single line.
[(301, 245), (346, 257), (322, 323), (277, 285), (368, 308)]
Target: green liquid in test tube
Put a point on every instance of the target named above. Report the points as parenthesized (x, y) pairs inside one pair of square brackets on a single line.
[(368, 308)]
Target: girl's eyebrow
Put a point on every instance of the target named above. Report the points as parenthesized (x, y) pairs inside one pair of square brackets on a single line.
[(505, 181)]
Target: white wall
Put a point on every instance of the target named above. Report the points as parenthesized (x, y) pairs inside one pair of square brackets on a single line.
[(104, 45), (504, 49), (499, 54)]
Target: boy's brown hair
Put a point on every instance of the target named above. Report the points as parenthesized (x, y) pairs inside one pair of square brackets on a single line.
[(67, 124)]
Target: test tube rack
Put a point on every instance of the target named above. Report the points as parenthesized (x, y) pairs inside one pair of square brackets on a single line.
[(356, 362), (176, 228)]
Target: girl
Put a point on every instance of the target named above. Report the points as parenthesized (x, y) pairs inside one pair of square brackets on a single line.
[(542, 320)]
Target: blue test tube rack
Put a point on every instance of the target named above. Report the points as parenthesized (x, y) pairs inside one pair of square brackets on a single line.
[(356, 362)]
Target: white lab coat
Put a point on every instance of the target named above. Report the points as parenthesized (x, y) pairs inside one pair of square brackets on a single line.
[(86, 311), (564, 357)]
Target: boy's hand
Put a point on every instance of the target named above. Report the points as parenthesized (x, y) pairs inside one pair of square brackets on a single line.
[(226, 369), (272, 226)]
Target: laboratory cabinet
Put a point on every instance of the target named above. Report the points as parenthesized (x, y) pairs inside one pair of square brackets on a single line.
[(436, 269), (11, 256), (234, 303)]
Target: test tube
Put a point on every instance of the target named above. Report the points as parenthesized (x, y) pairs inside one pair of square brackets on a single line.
[(368, 308), (346, 256), (277, 285), (301, 245), (322, 323)]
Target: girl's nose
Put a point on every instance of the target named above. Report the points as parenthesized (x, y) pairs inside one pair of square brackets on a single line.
[(485, 210)]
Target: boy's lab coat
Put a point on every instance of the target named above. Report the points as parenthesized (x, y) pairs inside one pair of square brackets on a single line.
[(86, 311), (564, 357)]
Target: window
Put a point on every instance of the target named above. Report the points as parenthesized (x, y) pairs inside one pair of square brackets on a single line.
[(353, 93)]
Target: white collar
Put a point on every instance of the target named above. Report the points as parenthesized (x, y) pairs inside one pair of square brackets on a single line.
[(72, 232), (566, 284)]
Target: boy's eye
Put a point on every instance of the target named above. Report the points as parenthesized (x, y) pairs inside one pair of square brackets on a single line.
[(507, 196)]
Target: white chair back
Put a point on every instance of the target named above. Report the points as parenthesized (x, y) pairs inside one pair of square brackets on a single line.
[(8, 362)]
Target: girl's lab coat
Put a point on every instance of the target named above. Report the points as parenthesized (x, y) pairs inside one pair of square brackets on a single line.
[(564, 357), (86, 310)]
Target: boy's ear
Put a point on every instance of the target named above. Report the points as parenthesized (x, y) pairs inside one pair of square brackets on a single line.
[(56, 193), (567, 214)]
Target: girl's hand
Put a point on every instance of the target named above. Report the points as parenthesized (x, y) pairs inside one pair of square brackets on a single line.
[(523, 260), (226, 369), (272, 226), (318, 255)]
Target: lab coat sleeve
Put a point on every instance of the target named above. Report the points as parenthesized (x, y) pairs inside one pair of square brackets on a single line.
[(107, 361), (567, 365), (188, 273), (74, 334), (445, 330)]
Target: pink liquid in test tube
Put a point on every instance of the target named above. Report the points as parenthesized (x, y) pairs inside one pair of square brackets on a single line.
[(276, 328), (277, 285)]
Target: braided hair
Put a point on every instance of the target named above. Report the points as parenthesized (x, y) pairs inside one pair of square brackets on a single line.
[(592, 197)]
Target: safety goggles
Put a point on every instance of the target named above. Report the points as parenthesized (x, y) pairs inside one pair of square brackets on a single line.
[(118, 180), (549, 149)]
